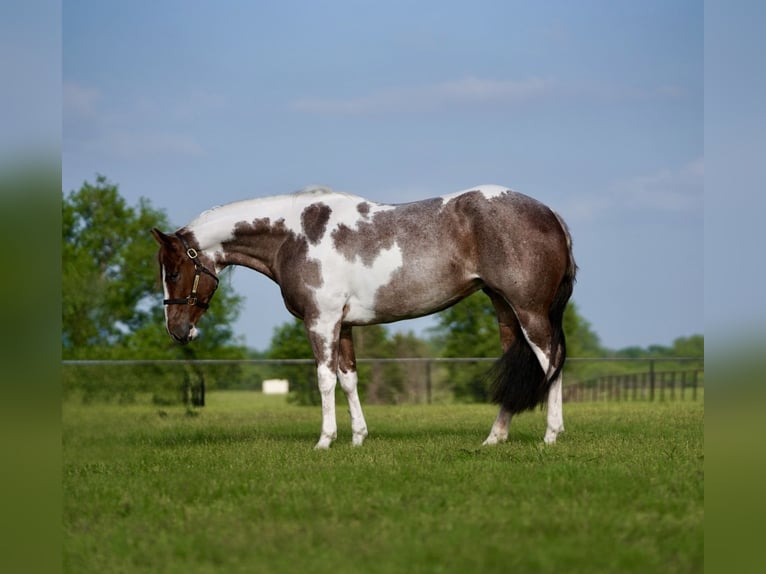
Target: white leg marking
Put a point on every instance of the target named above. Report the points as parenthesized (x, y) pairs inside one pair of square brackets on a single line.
[(327, 380), (348, 383), (555, 412), (499, 432), (541, 356), (167, 296)]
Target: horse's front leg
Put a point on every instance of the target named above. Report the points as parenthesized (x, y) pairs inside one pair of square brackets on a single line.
[(326, 377), (348, 382), (324, 343)]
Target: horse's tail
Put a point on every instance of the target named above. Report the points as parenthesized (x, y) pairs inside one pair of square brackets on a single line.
[(518, 382)]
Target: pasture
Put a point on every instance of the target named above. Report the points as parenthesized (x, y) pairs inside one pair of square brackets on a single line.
[(237, 487)]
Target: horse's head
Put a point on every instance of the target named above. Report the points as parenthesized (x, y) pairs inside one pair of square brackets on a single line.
[(189, 284)]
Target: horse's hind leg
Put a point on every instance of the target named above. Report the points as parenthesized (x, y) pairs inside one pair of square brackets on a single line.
[(555, 412), (555, 402), (522, 388), (508, 326), (538, 332), (348, 382)]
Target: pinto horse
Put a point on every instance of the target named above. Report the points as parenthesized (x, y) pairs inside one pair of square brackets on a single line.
[(341, 261)]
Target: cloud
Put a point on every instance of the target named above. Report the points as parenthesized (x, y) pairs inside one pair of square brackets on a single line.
[(141, 145), (139, 129), (79, 101), (622, 93), (466, 91), (668, 191), (472, 91)]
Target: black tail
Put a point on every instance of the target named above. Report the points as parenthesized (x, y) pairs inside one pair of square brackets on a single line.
[(517, 379)]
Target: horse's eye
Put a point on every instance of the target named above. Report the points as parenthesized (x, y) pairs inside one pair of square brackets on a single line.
[(173, 276)]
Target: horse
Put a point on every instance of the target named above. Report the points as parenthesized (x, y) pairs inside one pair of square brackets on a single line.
[(342, 261)]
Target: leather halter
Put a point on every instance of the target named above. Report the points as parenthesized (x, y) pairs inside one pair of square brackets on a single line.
[(199, 269)]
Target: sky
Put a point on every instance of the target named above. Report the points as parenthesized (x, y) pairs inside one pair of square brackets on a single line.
[(595, 108)]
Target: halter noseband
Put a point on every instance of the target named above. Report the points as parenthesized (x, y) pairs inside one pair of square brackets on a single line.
[(199, 269)]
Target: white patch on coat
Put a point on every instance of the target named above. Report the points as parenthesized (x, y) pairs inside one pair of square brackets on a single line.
[(555, 411), (167, 295), (542, 358), (492, 191), (489, 191), (351, 285)]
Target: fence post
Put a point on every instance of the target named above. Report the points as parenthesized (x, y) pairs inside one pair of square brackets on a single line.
[(694, 385), (651, 380)]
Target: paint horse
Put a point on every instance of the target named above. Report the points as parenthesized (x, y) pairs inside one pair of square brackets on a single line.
[(341, 261)]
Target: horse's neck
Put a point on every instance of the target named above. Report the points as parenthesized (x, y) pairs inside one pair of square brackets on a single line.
[(230, 236)]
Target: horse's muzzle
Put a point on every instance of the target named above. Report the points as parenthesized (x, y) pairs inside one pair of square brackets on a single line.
[(184, 335)]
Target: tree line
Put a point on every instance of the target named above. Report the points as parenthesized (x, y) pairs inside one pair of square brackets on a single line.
[(111, 310)]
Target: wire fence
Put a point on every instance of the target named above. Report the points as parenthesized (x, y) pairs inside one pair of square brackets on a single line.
[(383, 381)]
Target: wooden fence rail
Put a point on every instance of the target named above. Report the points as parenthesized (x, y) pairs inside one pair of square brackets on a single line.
[(427, 379), (647, 386)]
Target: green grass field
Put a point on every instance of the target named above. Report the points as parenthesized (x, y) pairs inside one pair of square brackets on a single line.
[(239, 488)]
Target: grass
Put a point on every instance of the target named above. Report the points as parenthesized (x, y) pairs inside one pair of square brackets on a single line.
[(238, 488)]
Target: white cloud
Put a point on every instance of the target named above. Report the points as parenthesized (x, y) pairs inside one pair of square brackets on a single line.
[(471, 90), (80, 101), (679, 190), (141, 129), (140, 145), (616, 93), (465, 91)]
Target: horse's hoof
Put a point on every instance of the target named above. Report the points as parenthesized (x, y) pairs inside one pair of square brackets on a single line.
[(358, 439), (494, 439), (323, 443), (551, 435)]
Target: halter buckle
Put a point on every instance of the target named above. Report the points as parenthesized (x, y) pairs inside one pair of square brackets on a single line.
[(191, 300), (192, 253)]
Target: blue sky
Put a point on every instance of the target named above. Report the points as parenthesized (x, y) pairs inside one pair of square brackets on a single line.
[(595, 108)]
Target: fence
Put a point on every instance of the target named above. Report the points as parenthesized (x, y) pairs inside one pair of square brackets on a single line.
[(402, 380)]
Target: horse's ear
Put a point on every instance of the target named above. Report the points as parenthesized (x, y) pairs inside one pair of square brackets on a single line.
[(161, 238)]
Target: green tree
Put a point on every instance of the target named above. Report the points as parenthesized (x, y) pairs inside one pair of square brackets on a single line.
[(469, 329), (289, 341), (111, 298), (693, 346), (378, 382), (582, 340)]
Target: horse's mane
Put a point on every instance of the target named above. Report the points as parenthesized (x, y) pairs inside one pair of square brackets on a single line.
[(315, 190), (308, 192)]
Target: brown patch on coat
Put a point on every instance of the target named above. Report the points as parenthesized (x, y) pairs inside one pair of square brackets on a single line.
[(314, 221), (406, 224), (363, 208), (280, 254), (510, 243)]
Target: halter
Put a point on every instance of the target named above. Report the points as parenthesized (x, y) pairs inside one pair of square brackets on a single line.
[(199, 269)]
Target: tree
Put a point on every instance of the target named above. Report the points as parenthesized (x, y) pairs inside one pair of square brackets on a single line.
[(582, 340), (111, 299), (289, 341), (378, 382), (469, 329), (693, 346)]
